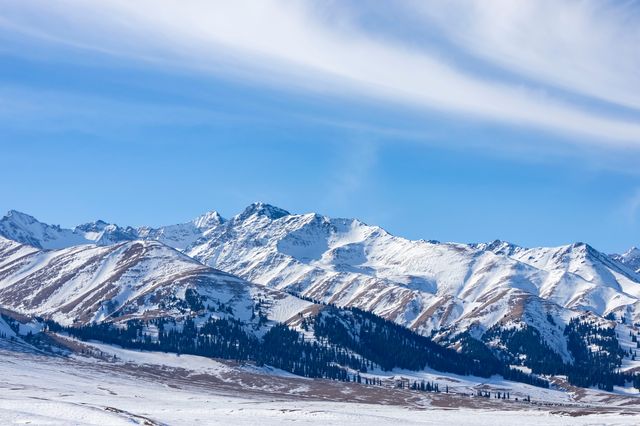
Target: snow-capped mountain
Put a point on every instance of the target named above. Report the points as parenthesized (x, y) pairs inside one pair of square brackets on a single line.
[(427, 286), (135, 279), (424, 285), (26, 229)]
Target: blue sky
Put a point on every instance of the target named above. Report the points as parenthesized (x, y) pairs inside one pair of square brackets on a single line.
[(458, 121)]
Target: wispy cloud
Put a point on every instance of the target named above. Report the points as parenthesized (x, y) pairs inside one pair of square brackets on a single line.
[(316, 47), (588, 47)]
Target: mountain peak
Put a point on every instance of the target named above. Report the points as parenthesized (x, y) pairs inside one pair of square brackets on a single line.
[(263, 209), (586, 249), (15, 215), (208, 220), (26, 229), (497, 247), (97, 226)]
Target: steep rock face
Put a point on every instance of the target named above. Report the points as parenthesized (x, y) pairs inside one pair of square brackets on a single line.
[(136, 279)]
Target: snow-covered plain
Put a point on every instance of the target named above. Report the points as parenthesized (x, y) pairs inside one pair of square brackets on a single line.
[(154, 388)]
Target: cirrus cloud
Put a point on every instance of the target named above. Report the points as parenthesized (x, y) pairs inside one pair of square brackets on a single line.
[(319, 47)]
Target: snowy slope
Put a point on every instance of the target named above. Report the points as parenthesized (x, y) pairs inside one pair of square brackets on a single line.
[(581, 277), (131, 279)]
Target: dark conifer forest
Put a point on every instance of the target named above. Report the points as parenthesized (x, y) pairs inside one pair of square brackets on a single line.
[(347, 342)]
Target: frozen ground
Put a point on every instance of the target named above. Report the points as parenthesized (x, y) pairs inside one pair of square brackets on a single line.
[(153, 388)]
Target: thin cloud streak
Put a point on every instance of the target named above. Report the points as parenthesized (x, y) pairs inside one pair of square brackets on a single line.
[(295, 45)]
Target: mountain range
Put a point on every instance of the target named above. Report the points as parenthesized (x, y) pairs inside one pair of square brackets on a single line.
[(294, 263)]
